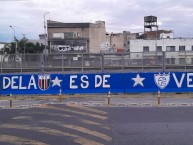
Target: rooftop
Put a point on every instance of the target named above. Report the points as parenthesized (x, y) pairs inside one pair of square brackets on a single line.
[(55, 24)]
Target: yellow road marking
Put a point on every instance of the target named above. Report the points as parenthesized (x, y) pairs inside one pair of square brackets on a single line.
[(90, 122), (23, 117), (52, 122), (19, 140), (87, 109), (80, 113), (38, 129), (59, 122), (94, 123), (77, 139), (83, 141), (50, 114), (88, 131)]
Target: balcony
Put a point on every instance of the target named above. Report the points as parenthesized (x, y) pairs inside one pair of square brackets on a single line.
[(152, 53), (185, 53)]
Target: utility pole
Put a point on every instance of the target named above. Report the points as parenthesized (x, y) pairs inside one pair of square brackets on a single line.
[(24, 44), (156, 37), (45, 30), (14, 39), (44, 51)]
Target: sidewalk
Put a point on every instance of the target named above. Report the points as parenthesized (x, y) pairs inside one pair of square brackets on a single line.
[(134, 100)]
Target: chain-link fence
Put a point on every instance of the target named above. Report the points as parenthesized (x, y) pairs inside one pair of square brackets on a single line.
[(89, 62)]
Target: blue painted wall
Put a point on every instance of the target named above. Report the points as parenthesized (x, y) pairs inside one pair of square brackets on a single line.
[(96, 83)]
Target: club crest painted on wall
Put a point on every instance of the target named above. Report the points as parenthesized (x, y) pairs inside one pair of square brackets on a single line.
[(162, 80), (44, 81)]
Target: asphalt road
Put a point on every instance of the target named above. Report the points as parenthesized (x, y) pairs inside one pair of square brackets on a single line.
[(61, 124)]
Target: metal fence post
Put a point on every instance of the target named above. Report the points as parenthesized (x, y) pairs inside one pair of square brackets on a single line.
[(163, 63), (60, 95), (158, 97), (62, 62), (82, 63), (42, 62), (2, 56), (142, 62), (102, 62), (123, 61), (185, 62), (21, 63), (10, 101), (109, 97)]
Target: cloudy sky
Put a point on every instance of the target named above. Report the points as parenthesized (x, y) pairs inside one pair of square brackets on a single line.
[(27, 16)]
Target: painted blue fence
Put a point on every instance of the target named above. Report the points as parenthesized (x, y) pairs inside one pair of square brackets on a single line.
[(96, 83)]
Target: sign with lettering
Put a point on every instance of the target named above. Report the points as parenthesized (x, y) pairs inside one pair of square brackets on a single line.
[(93, 83), (31, 84), (96, 83), (165, 82)]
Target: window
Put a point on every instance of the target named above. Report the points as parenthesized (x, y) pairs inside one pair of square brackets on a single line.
[(159, 48), (58, 35), (170, 48), (181, 48), (145, 48), (68, 35), (159, 59), (170, 60), (182, 60)]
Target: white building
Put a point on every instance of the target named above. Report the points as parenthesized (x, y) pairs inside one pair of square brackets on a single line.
[(2, 44), (177, 50), (3, 57)]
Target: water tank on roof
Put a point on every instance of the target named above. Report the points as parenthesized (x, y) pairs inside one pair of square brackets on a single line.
[(150, 19), (150, 23)]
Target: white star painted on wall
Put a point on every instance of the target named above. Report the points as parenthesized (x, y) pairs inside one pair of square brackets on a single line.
[(56, 81), (138, 81)]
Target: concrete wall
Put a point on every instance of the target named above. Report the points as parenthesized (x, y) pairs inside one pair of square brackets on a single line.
[(84, 32), (166, 35), (97, 35), (117, 41)]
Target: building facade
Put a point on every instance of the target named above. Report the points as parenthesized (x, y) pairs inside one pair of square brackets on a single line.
[(93, 38), (76, 37), (177, 50)]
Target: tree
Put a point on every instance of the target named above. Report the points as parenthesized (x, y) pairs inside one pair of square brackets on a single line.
[(23, 46), (9, 48)]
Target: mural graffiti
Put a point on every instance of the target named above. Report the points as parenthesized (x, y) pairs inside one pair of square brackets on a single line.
[(96, 83)]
